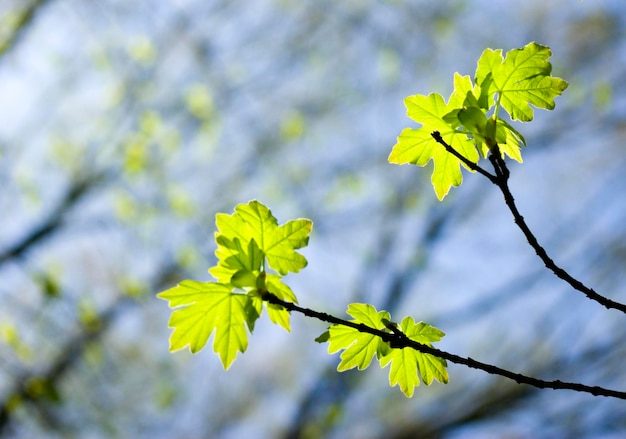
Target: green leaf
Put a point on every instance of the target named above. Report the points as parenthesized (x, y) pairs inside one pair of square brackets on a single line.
[(486, 64), (279, 316), (521, 79), (514, 83), (204, 307), (244, 279), (474, 120), (246, 241), (253, 222), (233, 257), (465, 93), (472, 115), (277, 313), (277, 287), (358, 347), (323, 337), (510, 141), (407, 363), (418, 147)]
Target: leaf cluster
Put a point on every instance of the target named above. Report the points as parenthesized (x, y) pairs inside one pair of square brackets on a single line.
[(471, 121), (253, 253), (407, 364), (250, 243)]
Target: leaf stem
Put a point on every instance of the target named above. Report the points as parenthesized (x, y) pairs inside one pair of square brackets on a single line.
[(399, 340)]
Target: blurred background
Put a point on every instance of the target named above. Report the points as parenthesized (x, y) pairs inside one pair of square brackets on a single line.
[(127, 125)]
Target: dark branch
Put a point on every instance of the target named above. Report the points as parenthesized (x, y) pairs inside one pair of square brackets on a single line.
[(548, 262), (470, 164), (400, 340), (501, 180)]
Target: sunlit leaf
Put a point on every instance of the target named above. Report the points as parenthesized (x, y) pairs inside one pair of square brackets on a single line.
[(520, 79), (471, 120), (417, 146), (407, 363), (277, 313), (205, 307), (358, 347), (247, 241), (254, 221)]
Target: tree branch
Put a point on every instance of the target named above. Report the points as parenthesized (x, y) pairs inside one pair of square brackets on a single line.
[(70, 354), (470, 164), (501, 180), (54, 220), (399, 340)]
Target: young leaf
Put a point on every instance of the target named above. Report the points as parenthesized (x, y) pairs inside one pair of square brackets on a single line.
[(204, 307), (465, 93), (521, 79), (406, 363), (234, 258), (277, 313), (255, 222), (510, 141), (244, 279), (358, 347), (515, 82), (418, 147), (277, 287)]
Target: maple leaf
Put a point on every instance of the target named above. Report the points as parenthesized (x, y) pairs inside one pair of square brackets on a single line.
[(521, 79), (253, 222), (407, 363), (358, 347), (417, 146), (204, 307), (514, 83), (277, 313), (246, 241)]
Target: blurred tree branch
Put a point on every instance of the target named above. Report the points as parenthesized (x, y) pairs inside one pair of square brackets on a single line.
[(77, 190), (24, 18), (70, 354)]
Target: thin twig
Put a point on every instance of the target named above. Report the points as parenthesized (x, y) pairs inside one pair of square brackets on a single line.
[(400, 340), (501, 180), (470, 164)]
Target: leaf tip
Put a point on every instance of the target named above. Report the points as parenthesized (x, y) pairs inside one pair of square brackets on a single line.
[(323, 337)]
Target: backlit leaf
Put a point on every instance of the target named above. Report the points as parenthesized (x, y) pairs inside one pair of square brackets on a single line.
[(247, 241), (417, 146), (205, 307), (358, 347), (254, 221), (519, 80), (407, 363), (471, 120)]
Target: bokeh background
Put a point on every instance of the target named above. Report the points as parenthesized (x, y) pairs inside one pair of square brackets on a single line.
[(125, 126)]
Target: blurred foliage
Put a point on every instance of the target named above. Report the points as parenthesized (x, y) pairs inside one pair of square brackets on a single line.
[(127, 125)]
